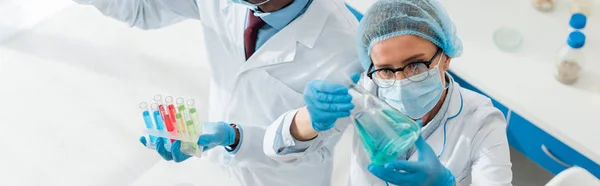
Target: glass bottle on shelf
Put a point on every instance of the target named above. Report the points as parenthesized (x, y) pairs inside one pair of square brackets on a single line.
[(570, 59), (544, 5), (582, 6), (577, 21)]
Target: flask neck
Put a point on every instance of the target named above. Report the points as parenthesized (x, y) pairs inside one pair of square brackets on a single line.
[(359, 96)]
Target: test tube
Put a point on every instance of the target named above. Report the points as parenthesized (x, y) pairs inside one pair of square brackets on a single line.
[(148, 121), (171, 108), (180, 104), (165, 115), (186, 116), (193, 113), (180, 124), (183, 131), (194, 116), (160, 126), (189, 124)]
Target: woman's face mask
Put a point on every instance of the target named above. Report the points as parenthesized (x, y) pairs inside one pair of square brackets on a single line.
[(415, 99)]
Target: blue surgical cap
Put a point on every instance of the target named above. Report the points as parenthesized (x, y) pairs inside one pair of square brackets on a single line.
[(390, 18)]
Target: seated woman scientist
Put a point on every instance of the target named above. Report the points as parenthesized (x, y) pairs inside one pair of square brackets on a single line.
[(406, 47)]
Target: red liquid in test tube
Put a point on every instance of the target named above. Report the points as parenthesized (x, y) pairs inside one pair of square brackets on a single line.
[(165, 116), (172, 110)]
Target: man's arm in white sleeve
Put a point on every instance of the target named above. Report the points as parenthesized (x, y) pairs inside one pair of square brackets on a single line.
[(251, 140), (147, 14)]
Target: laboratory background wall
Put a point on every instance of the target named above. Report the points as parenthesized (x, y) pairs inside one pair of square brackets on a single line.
[(71, 80)]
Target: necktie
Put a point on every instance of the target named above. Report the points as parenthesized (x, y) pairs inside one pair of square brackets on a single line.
[(251, 32)]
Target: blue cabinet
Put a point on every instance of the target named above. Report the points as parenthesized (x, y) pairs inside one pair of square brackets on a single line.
[(544, 149)]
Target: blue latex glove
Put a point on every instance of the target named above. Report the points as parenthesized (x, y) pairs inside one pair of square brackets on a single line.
[(326, 102), (218, 134), (428, 171), (174, 153)]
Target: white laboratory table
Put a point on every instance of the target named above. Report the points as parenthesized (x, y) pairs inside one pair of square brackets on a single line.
[(553, 124)]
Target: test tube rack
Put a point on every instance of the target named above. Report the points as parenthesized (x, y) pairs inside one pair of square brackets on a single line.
[(172, 119)]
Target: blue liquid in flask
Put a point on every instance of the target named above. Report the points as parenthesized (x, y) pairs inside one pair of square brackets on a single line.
[(386, 134)]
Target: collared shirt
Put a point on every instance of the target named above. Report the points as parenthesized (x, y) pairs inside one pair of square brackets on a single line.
[(277, 20)]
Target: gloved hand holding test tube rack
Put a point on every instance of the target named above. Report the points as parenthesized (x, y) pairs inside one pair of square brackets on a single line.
[(174, 122)]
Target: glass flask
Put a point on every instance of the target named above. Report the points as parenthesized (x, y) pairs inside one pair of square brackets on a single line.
[(386, 133), (571, 59)]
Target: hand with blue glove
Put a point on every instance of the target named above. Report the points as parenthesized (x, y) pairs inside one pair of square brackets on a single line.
[(174, 153), (427, 171), (217, 134), (326, 102)]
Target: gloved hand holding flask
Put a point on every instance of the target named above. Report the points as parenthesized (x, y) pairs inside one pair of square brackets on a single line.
[(386, 133), (428, 170), (326, 102)]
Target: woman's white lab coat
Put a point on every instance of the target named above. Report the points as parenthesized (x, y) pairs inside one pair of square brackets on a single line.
[(255, 92), (473, 138)]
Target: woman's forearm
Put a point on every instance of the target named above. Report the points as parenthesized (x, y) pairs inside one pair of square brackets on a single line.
[(301, 128)]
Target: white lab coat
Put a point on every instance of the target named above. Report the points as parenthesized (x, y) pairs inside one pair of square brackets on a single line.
[(254, 93), (476, 145)]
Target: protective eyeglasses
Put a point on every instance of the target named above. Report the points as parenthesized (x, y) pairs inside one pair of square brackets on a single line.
[(415, 71)]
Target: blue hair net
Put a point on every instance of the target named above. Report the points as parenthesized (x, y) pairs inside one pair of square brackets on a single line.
[(390, 18)]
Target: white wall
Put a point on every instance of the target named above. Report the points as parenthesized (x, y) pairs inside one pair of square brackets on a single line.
[(70, 83), (24, 14)]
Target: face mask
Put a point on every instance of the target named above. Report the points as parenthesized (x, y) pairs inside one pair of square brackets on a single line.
[(250, 5), (415, 99)]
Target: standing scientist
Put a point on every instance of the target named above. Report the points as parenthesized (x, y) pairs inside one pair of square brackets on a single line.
[(262, 53), (406, 47)]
